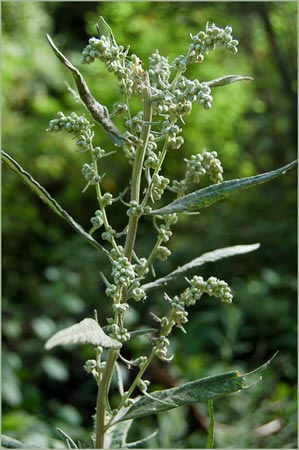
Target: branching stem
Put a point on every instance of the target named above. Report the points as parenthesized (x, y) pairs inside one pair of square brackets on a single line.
[(137, 167)]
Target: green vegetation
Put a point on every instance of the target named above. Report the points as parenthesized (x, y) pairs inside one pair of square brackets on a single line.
[(51, 276)]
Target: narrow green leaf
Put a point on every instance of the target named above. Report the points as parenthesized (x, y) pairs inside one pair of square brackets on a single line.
[(44, 195), (98, 111), (215, 255), (205, 197), (143, 332), (227, 79), (202, 390), (193, 392), (69, 441)]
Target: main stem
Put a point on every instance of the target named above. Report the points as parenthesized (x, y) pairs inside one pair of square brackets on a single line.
[(102, 396), (137, 167)]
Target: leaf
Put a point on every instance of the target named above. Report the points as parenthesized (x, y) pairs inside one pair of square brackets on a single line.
[(116, 436), (202, 390), (143, 332), (227, 79), (86, 331), (99, 112), (215, 255), (44, 195), (69, 441), (141, 441), (9, 442), (211, 194)]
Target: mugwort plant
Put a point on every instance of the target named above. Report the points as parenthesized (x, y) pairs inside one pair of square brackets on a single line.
[(167, 96)]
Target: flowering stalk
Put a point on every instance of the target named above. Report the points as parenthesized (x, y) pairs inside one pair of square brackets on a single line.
[(168, 96), (138, 166)]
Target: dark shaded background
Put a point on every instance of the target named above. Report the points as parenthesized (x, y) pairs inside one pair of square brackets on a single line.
[(51, 277)]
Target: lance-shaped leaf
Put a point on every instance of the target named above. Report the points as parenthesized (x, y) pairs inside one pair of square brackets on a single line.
[(202, 390), (215, 255), (227, 79), (205, 197), (99, 112), (44, 195), (88, 331)]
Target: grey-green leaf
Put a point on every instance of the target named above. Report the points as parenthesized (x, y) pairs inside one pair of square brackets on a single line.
[(215, 255), (202, 390), (116, 436), (44, 195), (88, 331), (9, 442), (207, 196), (227, 79), (98, 111)]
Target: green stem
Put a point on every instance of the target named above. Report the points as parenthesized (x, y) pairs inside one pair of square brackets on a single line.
[(156, 171), (102, 396), (100, 202), (137, 168), (134, 384), (210, 441)]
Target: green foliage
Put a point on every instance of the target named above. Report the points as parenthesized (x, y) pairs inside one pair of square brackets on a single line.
[(207, 196), (54, 274)]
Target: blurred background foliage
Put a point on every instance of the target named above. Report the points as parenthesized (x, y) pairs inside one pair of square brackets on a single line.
[(51, 277)]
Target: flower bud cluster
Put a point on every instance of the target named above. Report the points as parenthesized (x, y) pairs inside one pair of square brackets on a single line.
[(120, 307), (97, 152), (128, 69), (177, 101), (89, 173), (103, 49), (152, 160), (164, 233), (97, 220), (197, 166), (143, 385), (141, 267), (204, 96), (178, 315), (161, 347), (208, 40), (162, 253), (158, 186), (107, 199), (140, 362), (171, 103), (137, 210), (159, 70), (71, 124), (109, 234), (90, 365), (78, 125), (138, 294), (123, 272), (213, 287), (120, 108), (130, 150), (135, 124), (135, 78), (118, 333)]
